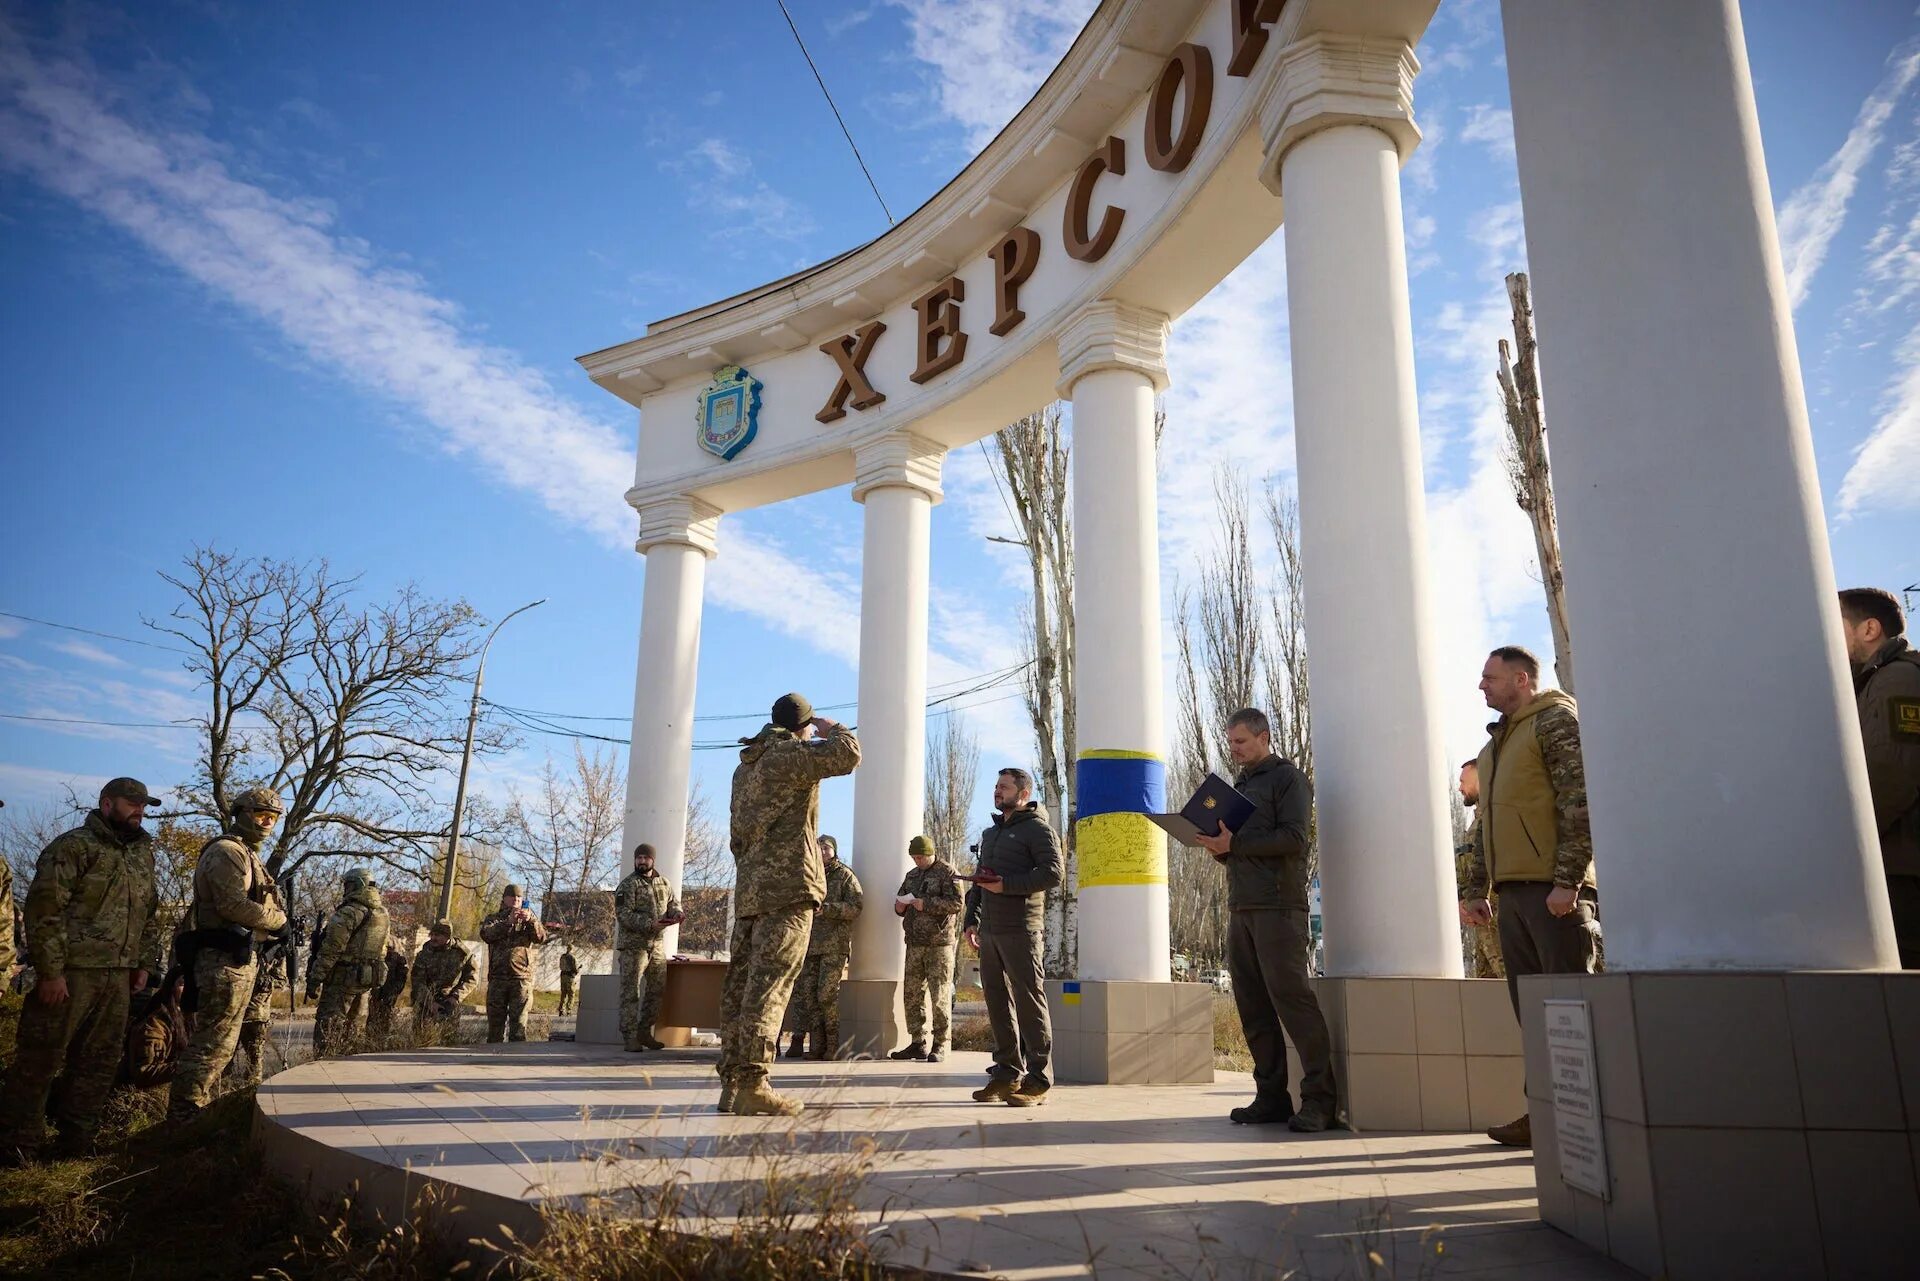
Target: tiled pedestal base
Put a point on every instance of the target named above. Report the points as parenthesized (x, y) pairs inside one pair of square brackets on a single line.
[(597, 1018), (1115, 1033), (1756, 1125), (872, 1024), (1437, 1055)]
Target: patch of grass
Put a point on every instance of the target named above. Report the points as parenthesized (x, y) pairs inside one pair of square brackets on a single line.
[(973, 1033)]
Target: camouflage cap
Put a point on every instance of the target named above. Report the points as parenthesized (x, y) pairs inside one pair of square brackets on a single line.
[(129, 789), (258, 798), (920, 847)]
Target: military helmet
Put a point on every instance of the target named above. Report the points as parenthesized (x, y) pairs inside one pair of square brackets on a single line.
[(356, 878), (257, 798)]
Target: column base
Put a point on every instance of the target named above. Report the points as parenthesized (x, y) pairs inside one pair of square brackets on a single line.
[(872, 1023), (1107, 1032), (597, 1017), (1436, 1056), (1752, 1124)]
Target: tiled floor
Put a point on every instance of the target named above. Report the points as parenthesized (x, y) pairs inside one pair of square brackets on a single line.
[(1110, 1181)]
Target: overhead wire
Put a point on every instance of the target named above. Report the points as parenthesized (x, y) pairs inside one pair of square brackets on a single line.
[(848, 133)]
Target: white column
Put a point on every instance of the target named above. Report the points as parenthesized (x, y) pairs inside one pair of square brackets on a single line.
[(897, 479), (677, 537), (1337, 129), (1731, 826), (1112, 363)]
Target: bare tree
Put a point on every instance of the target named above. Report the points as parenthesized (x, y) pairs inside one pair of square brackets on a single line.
[(1528, 468), (565, 838), (706, 860), (347, 710), (953, 771), (1033, 455), (1287, 686), (1231, 617)]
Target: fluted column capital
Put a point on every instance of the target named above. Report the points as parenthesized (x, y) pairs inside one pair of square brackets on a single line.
[(1326, 81), (683, 520), (899, 459), (1113, 335)]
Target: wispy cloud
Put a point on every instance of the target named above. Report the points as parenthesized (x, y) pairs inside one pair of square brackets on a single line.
[(1813, 215), (286, 262), (723, 186), (1491, 127), (87, 651), (988, 56), (1885, 474)]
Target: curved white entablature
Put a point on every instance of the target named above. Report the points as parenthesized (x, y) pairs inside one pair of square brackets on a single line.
[(1142, 172)]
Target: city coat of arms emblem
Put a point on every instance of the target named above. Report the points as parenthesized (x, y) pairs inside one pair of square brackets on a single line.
[(728, 413)]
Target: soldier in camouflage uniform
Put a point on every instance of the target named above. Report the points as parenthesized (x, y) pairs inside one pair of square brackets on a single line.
[(510, 934), (443, 973), (234, 910), (778, 881), (816, 993), (387, 995), (349, 964), (1482, 941), (1532, 845), (90, 919), (569, 976), (644, 907), (929, 903)]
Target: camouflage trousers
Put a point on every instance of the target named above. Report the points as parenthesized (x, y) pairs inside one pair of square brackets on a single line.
[(79, 1041), (336, 1020), (250, 1060), (816, 996), (566, 993), (379, 1018), (226, 995), (643, 981), (432, 1026), (766, 953), (929, 981), (507, 1000), (1483, 952)]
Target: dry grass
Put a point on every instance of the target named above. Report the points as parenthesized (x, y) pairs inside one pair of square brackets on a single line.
[(1230, 1053)]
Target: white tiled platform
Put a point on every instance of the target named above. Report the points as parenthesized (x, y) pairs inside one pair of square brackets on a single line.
[(1147, 1180)]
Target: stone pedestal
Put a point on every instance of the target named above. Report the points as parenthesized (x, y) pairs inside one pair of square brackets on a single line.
[(872, 1024), (1108, 1032), (1435, 1055), (1755, 1125)]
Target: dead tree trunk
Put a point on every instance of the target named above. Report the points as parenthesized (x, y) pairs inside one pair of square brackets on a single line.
[(1527, 465)]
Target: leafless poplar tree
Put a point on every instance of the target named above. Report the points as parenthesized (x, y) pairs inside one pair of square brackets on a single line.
[(1528, 468), (706, 860), (347, 710), (565, 837), (1032, 468), (953, 772)]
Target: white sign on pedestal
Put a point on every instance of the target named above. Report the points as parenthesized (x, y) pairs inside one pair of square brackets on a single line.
[(1576, 1098)]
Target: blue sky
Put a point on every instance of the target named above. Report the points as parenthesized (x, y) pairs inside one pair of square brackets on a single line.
[(308, 280)]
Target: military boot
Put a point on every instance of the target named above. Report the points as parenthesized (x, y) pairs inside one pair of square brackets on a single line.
[(1031, 1094), (937, 1053), (915, 1052), (1313, 1117), (729, 1090), (1517, 1133), (652, 1043), (757, 1098), (817, 1046), (997, 1090), (798, 1049)]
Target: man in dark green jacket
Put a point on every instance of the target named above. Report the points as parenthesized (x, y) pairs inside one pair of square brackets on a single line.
[(1006, 919), (1268, 935)]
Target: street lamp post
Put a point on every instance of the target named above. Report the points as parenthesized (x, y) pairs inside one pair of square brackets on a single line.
[(466, 760)]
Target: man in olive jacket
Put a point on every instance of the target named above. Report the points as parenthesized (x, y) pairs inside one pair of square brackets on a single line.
[(1006, 919), (1269, 936), (1886, 681), (90, 924)]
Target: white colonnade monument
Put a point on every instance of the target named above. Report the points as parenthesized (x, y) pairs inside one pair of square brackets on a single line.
[(1168, 145)]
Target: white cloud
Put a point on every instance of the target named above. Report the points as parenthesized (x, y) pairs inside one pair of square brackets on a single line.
[(1491, 127), (849, 20), (284, 261), (988, 56), (721, 155), (9, 628), (86, 650), (1885, 474), (1812, 216), (725, 189)]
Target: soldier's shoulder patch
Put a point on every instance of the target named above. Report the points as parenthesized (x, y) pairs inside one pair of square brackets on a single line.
[(1904, 717)]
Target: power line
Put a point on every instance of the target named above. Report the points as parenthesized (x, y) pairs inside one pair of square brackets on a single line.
[(836, 111), (73, 720), (88, 631)]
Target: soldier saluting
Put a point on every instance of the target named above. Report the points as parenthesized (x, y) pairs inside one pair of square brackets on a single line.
[(234, 908)]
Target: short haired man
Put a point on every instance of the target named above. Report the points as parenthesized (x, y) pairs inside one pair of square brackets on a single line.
[(569, 976), (778, 882), (443, 973), (1532, 845), (1886, 682), (510, 933), (644, 909), (90, 922), (235, 909), (1006, 912), (1482, 941), (1269, 934), (816, 993), (928, 901)]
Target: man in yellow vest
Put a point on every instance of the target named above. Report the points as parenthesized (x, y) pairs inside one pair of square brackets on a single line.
[(1532, 844)]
